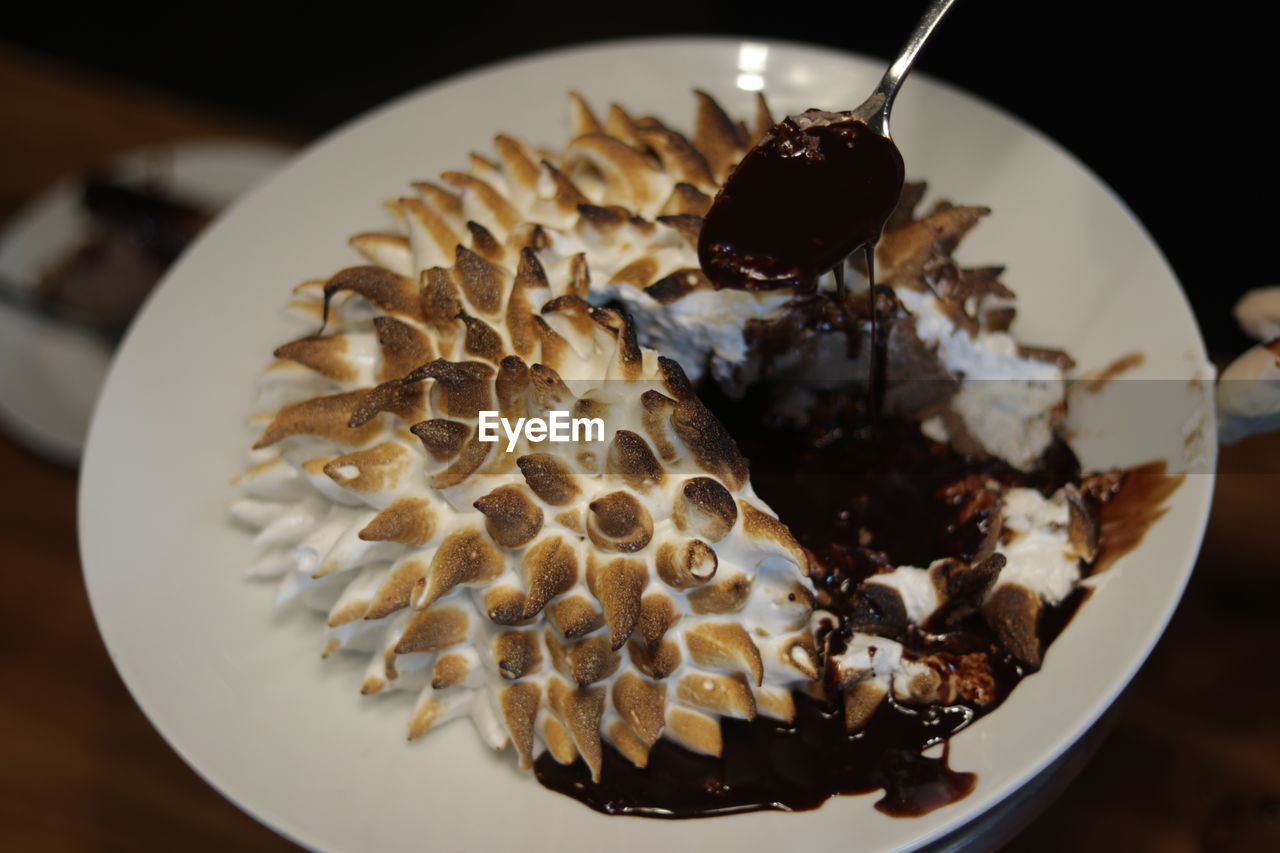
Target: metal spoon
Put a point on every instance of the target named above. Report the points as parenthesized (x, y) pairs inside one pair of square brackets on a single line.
[(874, 111), (816, 188)]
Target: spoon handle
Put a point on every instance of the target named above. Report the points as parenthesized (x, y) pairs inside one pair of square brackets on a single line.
[(888, 88)]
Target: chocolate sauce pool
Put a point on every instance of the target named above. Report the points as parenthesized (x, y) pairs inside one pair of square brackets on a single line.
[(816, 188), (858, 498)]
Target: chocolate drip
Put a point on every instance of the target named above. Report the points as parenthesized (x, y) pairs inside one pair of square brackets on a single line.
[(879, 346), (811, 328)]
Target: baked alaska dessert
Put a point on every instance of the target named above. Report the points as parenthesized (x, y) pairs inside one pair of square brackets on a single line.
[(648, 534)]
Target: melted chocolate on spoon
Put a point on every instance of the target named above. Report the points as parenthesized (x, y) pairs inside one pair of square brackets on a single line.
[(818, 187)]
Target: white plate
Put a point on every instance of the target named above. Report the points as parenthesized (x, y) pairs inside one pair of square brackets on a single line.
[(50, 374), (240, 691)]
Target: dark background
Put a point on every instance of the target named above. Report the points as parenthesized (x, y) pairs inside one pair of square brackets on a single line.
[(1169, 102)]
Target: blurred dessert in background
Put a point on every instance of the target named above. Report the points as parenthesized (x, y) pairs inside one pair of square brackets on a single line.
[(136, 231)]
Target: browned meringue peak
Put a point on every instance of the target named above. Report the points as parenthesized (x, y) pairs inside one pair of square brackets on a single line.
[(550, 478), (725, 646), (1083, 531), (656, 420), (583, 663), (434, 710), (618, 521), (626, 174), (725, 695), (656, 660), (373, 472), (403, 348), (911, 253), (962, 587), (451, 670), (323, 417), (465, 557), (396, 590), (580, 711), (575, 615), (862, 698), (461, 388), (520, 704), (710, 443), (435, 628), (871, 667), (325, 354), (723, 596), (482, 203), (408, 521), (431, 238), (1013, 611), (659, 613), (918, 255), (1047, 547), (717, 137), (392, 293), (618, 584), (517, 653), (694, 730), (549, 569), (512, 517)]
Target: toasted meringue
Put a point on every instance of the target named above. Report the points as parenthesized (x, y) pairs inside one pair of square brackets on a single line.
[(563, 595)]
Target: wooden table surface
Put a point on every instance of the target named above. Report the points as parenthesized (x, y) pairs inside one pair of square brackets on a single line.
[(1193, 762)]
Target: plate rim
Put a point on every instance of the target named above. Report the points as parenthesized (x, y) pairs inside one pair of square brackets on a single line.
[(577, 51)]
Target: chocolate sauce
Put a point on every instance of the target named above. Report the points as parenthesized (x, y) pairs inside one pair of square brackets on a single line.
[(816, 188), (1124, 520), (787, 767), (863, 490), (843, 485), (860, 499), (879, 342), (1097, 381), (771, 765)]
